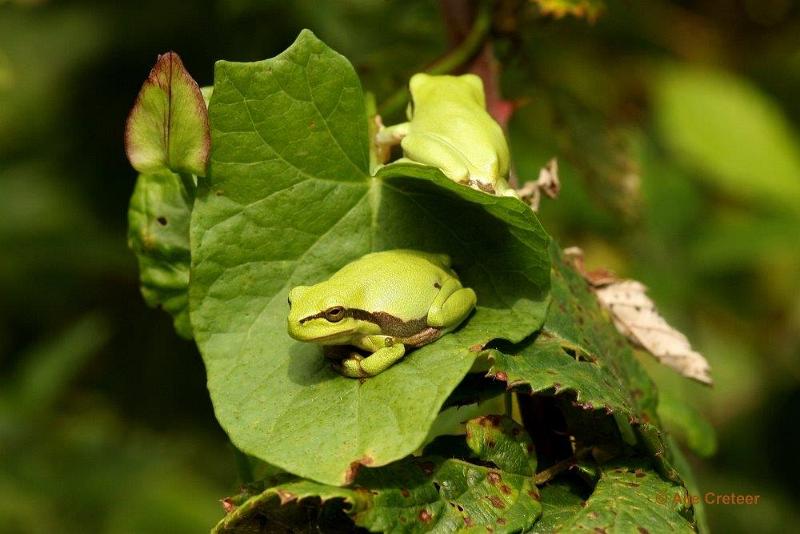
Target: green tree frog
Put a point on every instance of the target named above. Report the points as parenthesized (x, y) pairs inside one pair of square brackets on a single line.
[(381, 303), (449, 128)]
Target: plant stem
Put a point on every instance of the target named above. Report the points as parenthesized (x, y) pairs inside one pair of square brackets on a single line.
[(509, 403), (458, 56), (554, 470)]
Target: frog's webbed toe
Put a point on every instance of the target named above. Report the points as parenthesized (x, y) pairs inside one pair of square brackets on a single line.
[(357, 366), (350, 366)]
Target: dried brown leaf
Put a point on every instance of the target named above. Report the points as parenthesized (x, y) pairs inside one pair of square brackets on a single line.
[(636, 317), (547, 183)]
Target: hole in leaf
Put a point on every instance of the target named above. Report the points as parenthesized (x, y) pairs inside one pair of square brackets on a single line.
[(162, 221)]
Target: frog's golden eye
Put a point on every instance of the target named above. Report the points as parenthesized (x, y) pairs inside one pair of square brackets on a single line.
[(334, 314)]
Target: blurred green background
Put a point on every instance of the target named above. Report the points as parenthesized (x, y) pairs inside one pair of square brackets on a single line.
[(676, 128)]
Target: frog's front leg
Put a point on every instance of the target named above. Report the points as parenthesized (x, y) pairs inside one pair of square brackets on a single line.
[(386, 352), (392, 135), (451, 305)]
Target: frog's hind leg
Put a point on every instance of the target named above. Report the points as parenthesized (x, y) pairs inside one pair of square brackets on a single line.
[(357, 366), (452, 305), (504, 189), (430, 150)]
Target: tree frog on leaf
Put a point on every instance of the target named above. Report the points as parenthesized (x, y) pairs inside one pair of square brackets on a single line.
[(381, 303), (449, 128)]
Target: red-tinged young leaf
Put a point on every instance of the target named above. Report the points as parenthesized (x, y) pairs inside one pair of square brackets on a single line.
[(167, 128)]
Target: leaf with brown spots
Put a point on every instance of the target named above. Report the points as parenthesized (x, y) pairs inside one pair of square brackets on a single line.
[(580, 354), (451, 493), (408, 496), (503, 442), (454, 494), (629, 497), (300, 504)]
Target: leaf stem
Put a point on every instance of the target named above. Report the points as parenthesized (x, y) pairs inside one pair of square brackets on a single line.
[(188, 184), (459, 55)]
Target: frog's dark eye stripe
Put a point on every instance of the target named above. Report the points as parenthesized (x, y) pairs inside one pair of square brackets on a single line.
[(335, 314)]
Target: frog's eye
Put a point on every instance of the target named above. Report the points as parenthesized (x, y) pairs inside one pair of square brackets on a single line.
[(334, 314)]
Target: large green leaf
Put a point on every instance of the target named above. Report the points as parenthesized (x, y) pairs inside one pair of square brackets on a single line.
[(561, 501), (158, 232), (289, 201), (728, 128), (543, 366), (629, 497), (427, 494)]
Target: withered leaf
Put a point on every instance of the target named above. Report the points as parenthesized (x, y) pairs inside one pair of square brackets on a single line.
[(636, 317), (547, 183)]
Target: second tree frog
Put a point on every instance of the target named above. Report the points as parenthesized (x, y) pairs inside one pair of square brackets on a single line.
[(449, 128)]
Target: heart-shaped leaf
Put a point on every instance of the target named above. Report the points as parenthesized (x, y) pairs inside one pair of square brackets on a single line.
[(288, 201)]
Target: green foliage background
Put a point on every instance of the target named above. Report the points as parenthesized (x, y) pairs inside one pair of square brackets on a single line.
[(675, 124)]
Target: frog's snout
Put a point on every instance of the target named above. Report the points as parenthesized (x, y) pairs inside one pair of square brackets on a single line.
[(294, 328)]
